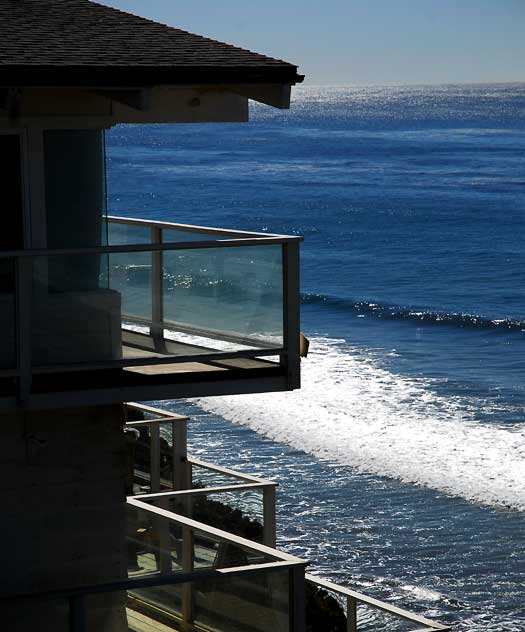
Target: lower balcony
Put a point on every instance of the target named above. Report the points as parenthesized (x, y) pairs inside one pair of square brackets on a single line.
[(194, 551), (165, 311), (234, 514)]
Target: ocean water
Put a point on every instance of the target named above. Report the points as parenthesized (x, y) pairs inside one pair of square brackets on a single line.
[(401, 461)]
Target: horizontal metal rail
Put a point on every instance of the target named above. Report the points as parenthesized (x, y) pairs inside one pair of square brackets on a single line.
[(375, 603), (151, 361), (164, 414), (153, 579), (217, 489), (189, 228), (212, 334), (233, 473), (148, 247), (160, 420), (204, 529)]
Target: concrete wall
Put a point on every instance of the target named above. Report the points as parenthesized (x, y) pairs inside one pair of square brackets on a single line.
[(63, 513)]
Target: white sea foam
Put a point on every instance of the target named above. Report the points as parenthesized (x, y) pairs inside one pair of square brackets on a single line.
[(422, 594), (357, 413)]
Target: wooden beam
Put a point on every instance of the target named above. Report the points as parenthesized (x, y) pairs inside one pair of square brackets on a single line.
[(277, 95), (137, 99)]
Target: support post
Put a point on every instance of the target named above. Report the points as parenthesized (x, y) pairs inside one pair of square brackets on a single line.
[(155, 457), (157, 305), (162, 528), (269, 521), (77, 614), (180, 455), (187, 588), (24, 269), (297, 599), (292, 320), (351, 614)]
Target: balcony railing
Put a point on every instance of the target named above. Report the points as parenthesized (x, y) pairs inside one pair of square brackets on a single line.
[(165, 476), (161, 301), (242, 493), (184, 575), (366, 613), (187, 574)]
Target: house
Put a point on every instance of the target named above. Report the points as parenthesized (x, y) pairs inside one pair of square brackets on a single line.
[(98, 311)]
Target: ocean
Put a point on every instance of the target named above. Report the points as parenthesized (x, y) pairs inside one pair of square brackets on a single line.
[(401, 461)]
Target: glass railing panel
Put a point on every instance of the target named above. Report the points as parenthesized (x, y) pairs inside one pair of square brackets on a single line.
[(166, 455), (7, 314), (174, 235), (154, 544), (251, 603), (104, 612), (244, 604), (76, 316), (139, 437), (98, 307), (203, 476), (129, 274), (159, 544), (120, 234), (335, 606), (370, 619), (138, 458), (239, 511), (228, 295), (155, 608)]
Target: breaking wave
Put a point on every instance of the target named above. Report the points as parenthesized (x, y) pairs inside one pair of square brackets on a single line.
[(353, 411), (397, 312)]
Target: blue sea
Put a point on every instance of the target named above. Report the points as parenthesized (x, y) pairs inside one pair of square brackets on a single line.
[(401, 462)]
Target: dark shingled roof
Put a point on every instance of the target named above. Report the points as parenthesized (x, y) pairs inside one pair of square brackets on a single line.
[(78, 42)]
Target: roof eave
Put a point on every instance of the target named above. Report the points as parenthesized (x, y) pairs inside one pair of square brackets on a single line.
[(144, 76)]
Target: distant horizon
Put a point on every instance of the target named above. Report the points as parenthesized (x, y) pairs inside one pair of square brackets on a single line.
[(305, 84)]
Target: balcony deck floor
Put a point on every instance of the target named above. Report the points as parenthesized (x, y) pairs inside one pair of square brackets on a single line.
[(138, 345), (138, 622)]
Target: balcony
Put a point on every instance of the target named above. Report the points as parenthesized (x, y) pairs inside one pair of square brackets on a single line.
[(165, 311), (226, 506), (201, 555)]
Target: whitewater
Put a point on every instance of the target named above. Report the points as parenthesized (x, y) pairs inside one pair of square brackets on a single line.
[(353, 411)]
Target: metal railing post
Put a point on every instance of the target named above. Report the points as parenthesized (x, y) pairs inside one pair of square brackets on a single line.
[(155, 457), (23, 279), (351, 614), (77, 614), (354, 598), (292, 319), (187, 588), (297, 599), (162, 528), (180, 455), (269, 521), (157, 303)]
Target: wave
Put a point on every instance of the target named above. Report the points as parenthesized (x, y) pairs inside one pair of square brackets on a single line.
[(396, 312), (352, 411)]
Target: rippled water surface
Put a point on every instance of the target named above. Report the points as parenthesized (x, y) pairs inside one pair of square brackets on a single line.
[(402, 460)]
